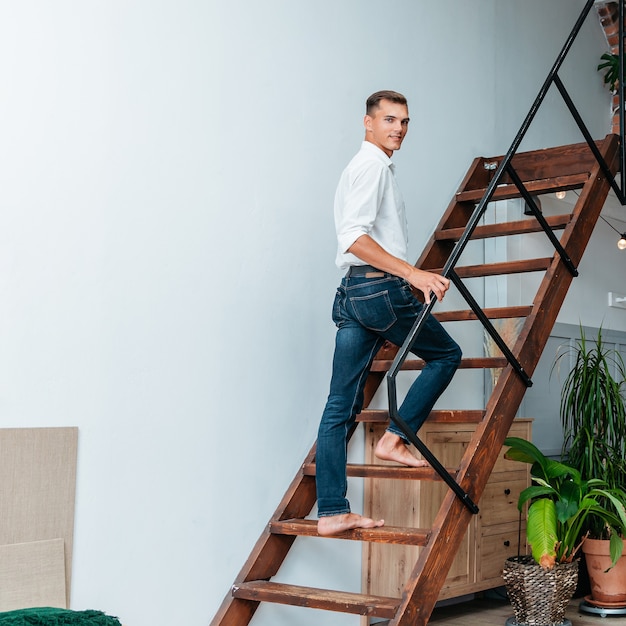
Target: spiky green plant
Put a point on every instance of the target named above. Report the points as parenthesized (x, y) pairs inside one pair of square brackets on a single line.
[(593, 415), (560, 504)]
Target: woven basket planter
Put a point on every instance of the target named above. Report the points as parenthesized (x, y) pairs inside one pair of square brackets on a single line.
[(539, 597)]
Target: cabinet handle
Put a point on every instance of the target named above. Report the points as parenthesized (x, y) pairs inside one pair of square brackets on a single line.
[(507, 543), (507, 492)]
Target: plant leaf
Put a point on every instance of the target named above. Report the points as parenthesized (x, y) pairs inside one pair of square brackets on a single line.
[(541, 532), (616, 547)]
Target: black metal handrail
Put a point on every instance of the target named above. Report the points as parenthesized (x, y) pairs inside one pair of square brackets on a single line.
[(448, 270)]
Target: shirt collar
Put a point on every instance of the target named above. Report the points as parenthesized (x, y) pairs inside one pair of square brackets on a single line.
[(375, 150)]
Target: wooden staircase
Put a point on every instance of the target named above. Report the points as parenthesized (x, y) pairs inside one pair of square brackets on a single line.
[(565, 168)]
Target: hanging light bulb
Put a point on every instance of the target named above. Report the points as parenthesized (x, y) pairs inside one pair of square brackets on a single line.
[(560, 194), (621, 244)]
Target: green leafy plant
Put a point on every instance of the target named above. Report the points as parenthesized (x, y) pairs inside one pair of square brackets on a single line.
[(611, 67), (560, 503), (593, 415)]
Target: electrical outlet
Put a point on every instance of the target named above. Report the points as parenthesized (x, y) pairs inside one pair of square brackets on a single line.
[(617, 300)]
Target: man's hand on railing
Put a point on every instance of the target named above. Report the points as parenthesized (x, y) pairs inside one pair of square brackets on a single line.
[(427, 283)]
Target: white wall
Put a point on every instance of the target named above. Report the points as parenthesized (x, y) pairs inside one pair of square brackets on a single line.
[(529, 37), (601, 269), (166, 247)]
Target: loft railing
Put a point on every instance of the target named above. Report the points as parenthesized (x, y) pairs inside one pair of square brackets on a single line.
[(505, 166)]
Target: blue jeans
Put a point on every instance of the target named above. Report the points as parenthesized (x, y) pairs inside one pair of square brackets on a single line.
[(368, 311)]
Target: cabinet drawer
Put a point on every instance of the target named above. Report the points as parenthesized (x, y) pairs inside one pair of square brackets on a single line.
[(498, 503), (496, 548)]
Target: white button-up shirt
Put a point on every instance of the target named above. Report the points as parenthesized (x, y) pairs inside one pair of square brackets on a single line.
[(368, 202)]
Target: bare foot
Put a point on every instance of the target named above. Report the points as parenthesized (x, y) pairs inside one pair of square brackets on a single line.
[(392, 448), (335, 524)]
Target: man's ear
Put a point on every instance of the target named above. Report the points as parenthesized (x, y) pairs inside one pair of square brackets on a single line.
[(367, 122)]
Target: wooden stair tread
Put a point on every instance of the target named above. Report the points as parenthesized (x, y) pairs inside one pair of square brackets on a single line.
[(535, 187), (296, 595), (384, 534), (497, 269), (397, 472), (383, 365), (518, 227), (440, 416), (492, 314)]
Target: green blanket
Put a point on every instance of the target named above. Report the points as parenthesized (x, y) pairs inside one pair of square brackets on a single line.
[(56, 617)]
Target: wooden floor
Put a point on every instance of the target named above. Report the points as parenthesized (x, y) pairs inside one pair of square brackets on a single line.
[(483, 612), (495, 612)]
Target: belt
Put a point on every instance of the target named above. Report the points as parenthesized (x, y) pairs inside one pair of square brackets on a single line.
[(369, 271)]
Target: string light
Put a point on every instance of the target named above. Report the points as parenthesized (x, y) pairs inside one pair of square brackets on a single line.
[(621, 244), (560, 194)]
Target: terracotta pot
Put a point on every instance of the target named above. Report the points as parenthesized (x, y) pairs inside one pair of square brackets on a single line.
[(608, 587)]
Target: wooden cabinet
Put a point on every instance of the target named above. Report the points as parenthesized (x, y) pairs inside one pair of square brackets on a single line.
[(492, 536)]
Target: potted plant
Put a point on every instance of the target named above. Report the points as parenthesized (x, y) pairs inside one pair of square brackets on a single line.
[(610, 65), (560, 501), (593, 415)]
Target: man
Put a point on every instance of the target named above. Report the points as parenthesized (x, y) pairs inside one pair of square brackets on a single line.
[(375, 303)]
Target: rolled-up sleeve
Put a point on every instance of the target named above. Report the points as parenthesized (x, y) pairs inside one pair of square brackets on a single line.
[(357, 202)]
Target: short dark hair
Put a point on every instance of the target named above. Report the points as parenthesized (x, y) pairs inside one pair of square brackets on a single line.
[(373, 102)]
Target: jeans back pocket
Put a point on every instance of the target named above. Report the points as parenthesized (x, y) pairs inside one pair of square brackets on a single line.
[(374, 311)]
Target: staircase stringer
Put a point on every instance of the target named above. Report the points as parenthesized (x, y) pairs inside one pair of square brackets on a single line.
[(430, 571)]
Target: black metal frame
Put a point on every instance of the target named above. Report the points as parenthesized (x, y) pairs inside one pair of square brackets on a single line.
[(503, 167)]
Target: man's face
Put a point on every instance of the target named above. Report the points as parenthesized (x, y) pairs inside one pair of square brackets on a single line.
[(388, 126)]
